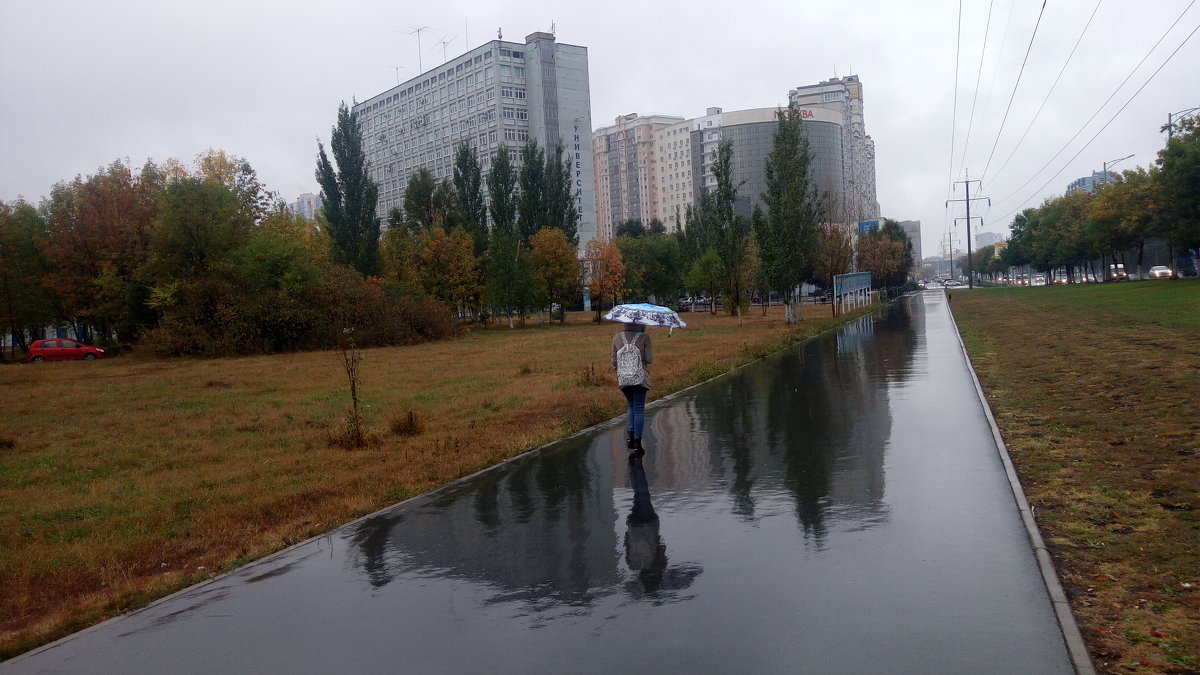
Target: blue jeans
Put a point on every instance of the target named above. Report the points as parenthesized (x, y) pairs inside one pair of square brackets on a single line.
[(636, 416)]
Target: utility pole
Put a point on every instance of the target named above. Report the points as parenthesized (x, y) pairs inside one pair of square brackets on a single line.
[(968, 200)]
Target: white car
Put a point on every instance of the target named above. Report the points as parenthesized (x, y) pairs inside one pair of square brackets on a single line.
[(1160, 272)]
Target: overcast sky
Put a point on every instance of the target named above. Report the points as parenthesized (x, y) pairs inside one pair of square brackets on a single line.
[(84, 83)]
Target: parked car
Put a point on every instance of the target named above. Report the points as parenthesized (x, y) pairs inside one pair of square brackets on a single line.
[(61, 349), (951, 283), (1160, 272)]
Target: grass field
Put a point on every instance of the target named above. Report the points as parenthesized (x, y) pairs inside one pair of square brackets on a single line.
[(1096, 389), (122, 480)]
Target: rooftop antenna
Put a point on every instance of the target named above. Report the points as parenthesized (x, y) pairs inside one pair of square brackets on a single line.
[(397, 69), (443, 42), (466, 34), (552, 28), (499, 34), (418, 30)]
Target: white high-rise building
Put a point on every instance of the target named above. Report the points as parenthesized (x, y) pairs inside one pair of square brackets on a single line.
[(498, 94), (307, 205)]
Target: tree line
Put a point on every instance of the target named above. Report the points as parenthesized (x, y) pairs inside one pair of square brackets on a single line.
[(1077, 231), (206, 260), (189, 260)]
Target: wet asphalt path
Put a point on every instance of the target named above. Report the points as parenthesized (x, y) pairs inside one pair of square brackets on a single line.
[(836, 508)]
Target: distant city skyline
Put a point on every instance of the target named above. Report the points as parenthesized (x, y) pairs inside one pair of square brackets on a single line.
[(163, 80)]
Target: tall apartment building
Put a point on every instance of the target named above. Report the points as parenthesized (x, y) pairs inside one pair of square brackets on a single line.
[(843, 96), (673, 148), (637, 180), (498, 94), (627, 170), (307, 205), (913, 229), (1090, 183)]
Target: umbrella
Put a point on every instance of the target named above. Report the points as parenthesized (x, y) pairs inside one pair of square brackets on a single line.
[(646, 315)]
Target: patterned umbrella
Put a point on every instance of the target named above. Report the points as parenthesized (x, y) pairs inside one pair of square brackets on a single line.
[(646, 315)]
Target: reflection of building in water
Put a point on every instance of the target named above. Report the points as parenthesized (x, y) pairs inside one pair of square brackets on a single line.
[(812, 425), (541, 528)]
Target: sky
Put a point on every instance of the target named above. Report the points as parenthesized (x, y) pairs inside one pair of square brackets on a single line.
[(85, 83)]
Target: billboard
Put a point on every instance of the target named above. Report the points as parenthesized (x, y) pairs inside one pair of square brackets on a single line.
[(867, 225), (850, 283)]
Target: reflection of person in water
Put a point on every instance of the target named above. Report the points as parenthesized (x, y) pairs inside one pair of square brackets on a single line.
[(645, 552)]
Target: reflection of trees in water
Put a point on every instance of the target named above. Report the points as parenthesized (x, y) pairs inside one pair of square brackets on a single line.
[(814, 419), (535, 528), (539, 531)]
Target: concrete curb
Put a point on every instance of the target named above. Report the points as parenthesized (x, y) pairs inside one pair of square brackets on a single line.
[(1076, 648)]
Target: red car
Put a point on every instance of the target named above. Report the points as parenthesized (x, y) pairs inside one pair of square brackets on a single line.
[(61, 349)]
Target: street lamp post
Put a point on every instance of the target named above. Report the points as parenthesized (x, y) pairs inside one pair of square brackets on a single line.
[(1171, 117), (1111, 162)]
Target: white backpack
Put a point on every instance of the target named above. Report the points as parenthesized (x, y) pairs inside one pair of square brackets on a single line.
[(630, 371)]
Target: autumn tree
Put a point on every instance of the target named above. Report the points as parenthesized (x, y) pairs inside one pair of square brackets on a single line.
[(556, 268), (24, 301), (835, 252), (447, 266), (236, 174), (604, 273), (98, 238), (350, 196)]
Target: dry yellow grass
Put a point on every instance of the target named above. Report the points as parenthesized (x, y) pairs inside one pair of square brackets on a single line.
[(1097, 391), (128, 479)]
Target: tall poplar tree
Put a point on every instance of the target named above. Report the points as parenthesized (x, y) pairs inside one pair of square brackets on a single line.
[(730, 233), (350, 196), (509, 279), (787, 229), (531, 210), (559, 196), (468, 184)]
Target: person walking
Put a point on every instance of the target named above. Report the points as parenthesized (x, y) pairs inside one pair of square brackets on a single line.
[(632, 352)]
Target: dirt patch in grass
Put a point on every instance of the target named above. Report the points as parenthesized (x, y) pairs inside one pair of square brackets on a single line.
[(122, 480), (1096, 389)]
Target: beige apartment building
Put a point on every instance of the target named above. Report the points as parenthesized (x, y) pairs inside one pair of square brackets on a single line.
[(673, 148), (627, 170)]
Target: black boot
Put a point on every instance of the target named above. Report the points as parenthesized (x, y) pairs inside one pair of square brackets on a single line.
[(638, 451), (629, 440)]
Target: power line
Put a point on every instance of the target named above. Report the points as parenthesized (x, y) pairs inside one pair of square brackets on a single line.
[(1015, 86), (1098, 110), (1047, 98), (1110, 120), (975, 97), (954, 110)]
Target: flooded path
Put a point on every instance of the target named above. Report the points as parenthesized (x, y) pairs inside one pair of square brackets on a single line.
[(839, 507)]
